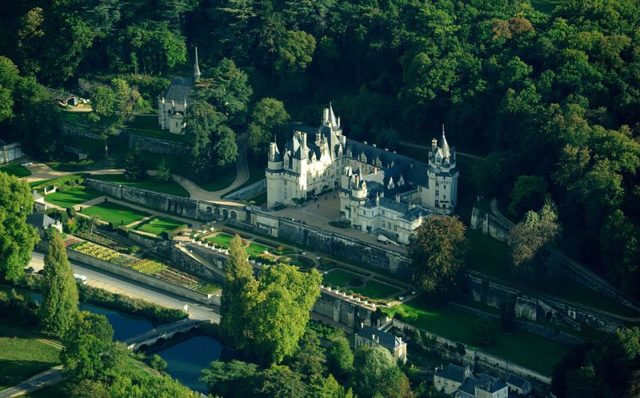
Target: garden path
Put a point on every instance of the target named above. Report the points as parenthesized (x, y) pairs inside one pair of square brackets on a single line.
[(40, 171), (242, 176)]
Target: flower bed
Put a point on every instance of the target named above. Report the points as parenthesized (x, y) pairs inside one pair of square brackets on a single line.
[(145, 266)]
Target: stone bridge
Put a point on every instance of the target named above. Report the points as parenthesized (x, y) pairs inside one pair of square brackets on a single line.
[(164, 332)]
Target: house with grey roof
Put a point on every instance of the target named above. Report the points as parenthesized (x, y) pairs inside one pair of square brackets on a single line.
[(370, 336), (173, 105), (450, 378), (381, 192), (42, 222)]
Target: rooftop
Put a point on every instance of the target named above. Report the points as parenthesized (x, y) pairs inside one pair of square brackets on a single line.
[(180, 90), (452, 372), (385, 339)]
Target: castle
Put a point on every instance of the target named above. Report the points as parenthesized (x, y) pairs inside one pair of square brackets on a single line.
[(172, 107), (380, 191)]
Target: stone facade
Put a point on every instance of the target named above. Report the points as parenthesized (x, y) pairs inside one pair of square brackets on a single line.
[(10, 152), (318, 160)]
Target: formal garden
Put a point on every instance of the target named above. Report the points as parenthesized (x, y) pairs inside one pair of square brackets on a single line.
[(159, 225), (115, 213), (72, 196), (359, 283), (149, 183), (144, 266)]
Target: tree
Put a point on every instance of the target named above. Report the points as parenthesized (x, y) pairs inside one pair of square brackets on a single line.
[(281, 382), (225, 149), (239, 289), (203, 124), (295, 52), (90, 389), (267, 119), (532, 233), (376, 373), (229, 90), (89, 353), (17, 238), (157, 363), (284, 299), (60, 306), (528, 193), (163, 173), (228, 379), (340, 357), (437, 250), (134, 166)]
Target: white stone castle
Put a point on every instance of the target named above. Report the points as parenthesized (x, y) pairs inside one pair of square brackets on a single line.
[(381, 191)]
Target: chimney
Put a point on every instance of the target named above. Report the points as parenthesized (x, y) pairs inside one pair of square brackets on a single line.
[(325, 116), (397, 198), (434, 144)]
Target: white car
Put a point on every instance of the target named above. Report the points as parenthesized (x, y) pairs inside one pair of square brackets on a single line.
[(81, 278), (27, 164)]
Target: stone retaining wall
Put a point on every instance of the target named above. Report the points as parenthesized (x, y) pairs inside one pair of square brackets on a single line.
[(248, 192), (156, 145), (144, 279)]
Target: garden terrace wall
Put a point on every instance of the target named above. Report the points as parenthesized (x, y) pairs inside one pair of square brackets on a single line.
[(183, 207), (191, 265), (144, 279), (337, 306), (332, 244)]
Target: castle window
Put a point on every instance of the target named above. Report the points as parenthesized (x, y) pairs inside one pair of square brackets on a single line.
[(437, 192)]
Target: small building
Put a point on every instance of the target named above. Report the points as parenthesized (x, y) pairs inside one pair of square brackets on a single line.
[(370, 336), (42, 222), (10, 152), (518, 385), (39, 205), (172, 107), (450, 378)]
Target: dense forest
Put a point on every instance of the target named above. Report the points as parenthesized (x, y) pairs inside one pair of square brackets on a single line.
[(553, 95)]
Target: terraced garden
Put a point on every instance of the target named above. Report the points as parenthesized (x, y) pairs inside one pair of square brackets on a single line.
[(115, 213), (145, 266), (359, 284), (149, 183), (69, 197), (158, 225)]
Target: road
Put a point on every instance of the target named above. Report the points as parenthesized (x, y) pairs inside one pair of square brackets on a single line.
[(41, 380), (128, 288)]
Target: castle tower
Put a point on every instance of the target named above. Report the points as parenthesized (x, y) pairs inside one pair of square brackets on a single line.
[(442, 172), (196, 68)]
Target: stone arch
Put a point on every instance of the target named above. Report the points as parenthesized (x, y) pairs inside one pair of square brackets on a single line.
[(225, 213), (234, 215), (209, 209), (216, 211)]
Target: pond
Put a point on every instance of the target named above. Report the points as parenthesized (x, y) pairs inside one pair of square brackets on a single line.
[(187, 358)]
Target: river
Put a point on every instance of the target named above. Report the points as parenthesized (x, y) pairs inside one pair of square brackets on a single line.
[(185, 356)]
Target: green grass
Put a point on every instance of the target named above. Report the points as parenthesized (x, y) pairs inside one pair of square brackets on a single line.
[(521, 348), (15, 169), (147, 125), (224, 176), (115, 213), (81, 118), (256, 249), (22, 355), (150, 184), (220, 239), (72, 196), (371, 288), (487, 255), (158, 225)]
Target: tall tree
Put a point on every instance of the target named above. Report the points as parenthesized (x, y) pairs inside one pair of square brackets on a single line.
[(229, 90), (533, 232), (376, 373), (17, 238), (267, 119), (60, 306), (437, 250), (239, 290)]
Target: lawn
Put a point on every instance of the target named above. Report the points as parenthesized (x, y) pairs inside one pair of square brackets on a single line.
[(224, 176), (15, 169), (115, 213), (521, 348), (22, 356), (150, 184), (158, 225), (72, 196), (220, 239), (371, 288), (256, 249)]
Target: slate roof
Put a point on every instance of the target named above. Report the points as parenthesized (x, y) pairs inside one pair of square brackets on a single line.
[(179, 90), (452, 372), (516, 381), (484, 382), (40, 220), (385, 339)]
